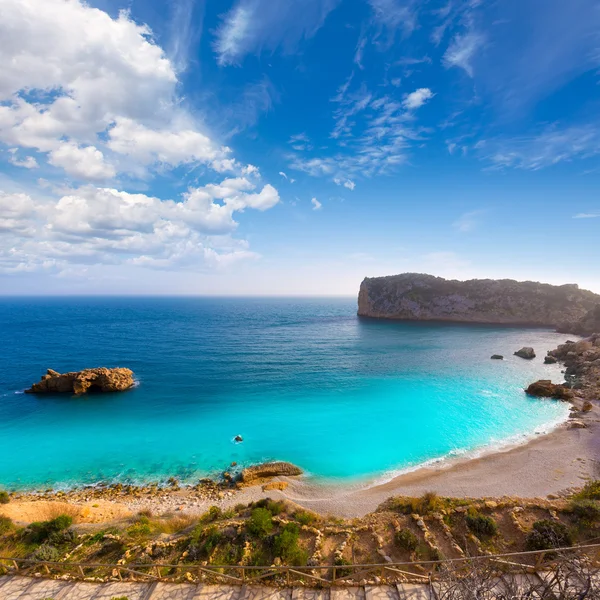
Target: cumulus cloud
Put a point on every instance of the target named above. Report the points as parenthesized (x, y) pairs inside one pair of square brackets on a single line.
[(104, 225), (316, 204), (417, 98), (95, 93), (28, 162)]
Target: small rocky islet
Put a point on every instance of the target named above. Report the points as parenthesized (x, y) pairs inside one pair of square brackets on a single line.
[(81, 382)]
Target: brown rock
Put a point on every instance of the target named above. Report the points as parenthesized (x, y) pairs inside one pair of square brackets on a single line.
[(550, 360), (80, 382), (275, 485), (546, 389), (267, 470), (526, 352)]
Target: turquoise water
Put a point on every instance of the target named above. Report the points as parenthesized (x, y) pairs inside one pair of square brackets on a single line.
[(302, 380)]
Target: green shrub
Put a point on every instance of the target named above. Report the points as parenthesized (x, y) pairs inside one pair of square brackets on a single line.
[(141, 527), (586, 510), (481, 525), (590, 491), (213, 514), (304, 517), (407, 540), (260, 523), (428, 503), (4, 497), (6, 524), (547, 534), (39, 532), (286, 546), (203, 542), (46, 553), (58, 538), (273, 506)]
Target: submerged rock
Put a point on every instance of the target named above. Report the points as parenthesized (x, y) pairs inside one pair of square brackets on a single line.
[(497, 357), (546, 389), (526, 352), (80, 382), (238, 439), (268, 470)]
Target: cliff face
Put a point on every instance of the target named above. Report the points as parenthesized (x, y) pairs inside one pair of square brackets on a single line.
[(418, 297)]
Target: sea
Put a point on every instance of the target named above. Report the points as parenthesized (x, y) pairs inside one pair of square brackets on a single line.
[(349, 400)]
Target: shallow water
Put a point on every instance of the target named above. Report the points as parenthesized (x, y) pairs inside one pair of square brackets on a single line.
[(302, 380)]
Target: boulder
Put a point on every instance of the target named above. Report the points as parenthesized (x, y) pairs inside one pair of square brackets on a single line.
[(80, 382), (526, 352), (257, 473), (497, 357), (544, 388), (550, 360), (577, 424), (238, 439)]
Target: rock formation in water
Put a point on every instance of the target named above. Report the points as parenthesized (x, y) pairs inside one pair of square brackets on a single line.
[(526, 352), (80, 382), (259, 473), (544, 388), (418, 297)]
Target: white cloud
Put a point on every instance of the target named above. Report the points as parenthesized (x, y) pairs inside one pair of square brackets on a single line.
[(587, 215), (255, 25), (316, 204), (86, 163), (100, 93), (468, 221), (93, 225), (393, 15), (461, 51), (28, 162), (347, 183), (417, 98), (552, 145), (283, 174)]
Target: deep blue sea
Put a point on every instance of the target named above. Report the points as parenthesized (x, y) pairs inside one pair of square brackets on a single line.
[(303, 380)]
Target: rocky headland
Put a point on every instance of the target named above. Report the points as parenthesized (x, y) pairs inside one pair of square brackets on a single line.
[(419, 297), (81, 382)]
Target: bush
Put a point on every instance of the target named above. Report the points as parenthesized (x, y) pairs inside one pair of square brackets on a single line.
[(39, 532), (286, 546), (481, 525), (260, 523), (203, 542), (428, 503), (6, 524), (58, 538), (407, 540), (4, 497), (590, 491), (304, 517), (140, 528), (214, 513), (273, 506), (586, 510), (546, 535), (46, 553)]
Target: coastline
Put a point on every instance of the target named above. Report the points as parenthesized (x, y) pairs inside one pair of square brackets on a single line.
[(549, 465)]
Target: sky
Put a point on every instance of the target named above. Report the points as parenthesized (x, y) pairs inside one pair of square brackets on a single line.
[(293, 147)]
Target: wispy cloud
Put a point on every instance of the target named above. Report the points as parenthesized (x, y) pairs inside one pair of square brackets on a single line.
[(468, 221), (283, 174), (347, 183), (550, 146), (392, 16), (255, 25), (185, 27), (316, 204), (587, 215), (461, 51)]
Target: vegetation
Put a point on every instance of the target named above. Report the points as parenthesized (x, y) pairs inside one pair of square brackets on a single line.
[(304, 517), (546, 535), (588, 511), (260, 523), (4, 497), (287, 548), (590, 491), (6, 524), (39, 532), (481, 525), (407, 540)]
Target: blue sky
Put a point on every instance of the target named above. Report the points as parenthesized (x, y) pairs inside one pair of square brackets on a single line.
[(294, 147)]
